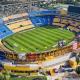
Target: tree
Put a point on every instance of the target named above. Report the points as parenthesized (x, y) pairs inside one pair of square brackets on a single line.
[(78, 58), (1, 76), (6, 75), (78, 70)]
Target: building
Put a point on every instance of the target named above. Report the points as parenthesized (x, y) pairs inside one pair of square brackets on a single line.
[(10, 7)]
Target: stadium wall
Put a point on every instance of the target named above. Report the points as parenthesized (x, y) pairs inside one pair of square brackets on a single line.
[(35, 57)]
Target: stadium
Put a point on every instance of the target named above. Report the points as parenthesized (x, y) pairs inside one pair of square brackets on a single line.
[(39, 39)]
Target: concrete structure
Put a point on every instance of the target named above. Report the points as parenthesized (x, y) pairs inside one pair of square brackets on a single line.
[(10, 7)]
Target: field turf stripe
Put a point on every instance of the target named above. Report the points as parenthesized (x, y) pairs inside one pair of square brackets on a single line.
[(61, 31), (40, 35), (29, 42), (22, 43), (37, 39), (58, 33), (40, 42), (50, 36), (43, 35), (31, 36), (12, 41)]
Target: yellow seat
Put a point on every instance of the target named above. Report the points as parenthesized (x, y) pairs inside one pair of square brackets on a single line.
[(22, 25), (64, 21), (59, 24), (56, 20)]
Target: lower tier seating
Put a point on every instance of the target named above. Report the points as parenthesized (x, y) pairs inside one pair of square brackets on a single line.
[(21, 25), (4, 31), (67, 23)]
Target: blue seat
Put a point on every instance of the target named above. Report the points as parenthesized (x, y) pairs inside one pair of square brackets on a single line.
[(41, 18), (4, 31)]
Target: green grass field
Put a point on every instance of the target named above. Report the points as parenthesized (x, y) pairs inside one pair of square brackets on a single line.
[(2, 77), (30, 78), (38, 39)]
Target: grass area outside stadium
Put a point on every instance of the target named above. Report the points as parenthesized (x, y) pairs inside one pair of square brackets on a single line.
[(8, 77), (38, 39), (31, 78)]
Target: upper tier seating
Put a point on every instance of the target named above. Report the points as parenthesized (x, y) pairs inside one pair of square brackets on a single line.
[(41, 21), (42, 18)]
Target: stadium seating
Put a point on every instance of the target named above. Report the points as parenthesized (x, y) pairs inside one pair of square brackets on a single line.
[(4, 30), (2, 55), (41, 18), (13, 18), (74, 23), (67, 23), (20, 25), (21, 69), (64, 21), (73, 28), (18, 22), (56, 20), (59, 24)]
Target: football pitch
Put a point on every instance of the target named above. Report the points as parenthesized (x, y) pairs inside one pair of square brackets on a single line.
[(37, 39)]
